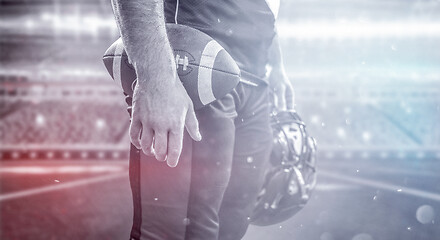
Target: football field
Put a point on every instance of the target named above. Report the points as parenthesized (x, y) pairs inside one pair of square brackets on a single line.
[(355, 199)]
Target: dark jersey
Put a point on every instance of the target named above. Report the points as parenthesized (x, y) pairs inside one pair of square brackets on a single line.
[(245, 28)]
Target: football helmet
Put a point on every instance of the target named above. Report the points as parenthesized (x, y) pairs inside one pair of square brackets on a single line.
[(291, 176)]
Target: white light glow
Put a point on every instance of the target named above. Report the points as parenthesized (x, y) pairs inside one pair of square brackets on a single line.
[(325, 29), (340, 132), (100, 123), (366, 136), (40, 120)]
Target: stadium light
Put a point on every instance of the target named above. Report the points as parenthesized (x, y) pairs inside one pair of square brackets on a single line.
[(401, 155), (383, 154), (46, 16), (29, 23), (100, 124), (340, 132), (366, 136), (40, 120), (33, 155)]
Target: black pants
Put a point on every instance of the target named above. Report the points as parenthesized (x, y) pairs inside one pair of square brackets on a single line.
[(211, 192)]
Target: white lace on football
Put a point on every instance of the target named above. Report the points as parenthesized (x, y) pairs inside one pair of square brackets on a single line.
[(177, 11), (182, 61)]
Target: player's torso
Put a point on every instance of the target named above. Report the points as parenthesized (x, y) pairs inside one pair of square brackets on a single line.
[(244, 27)]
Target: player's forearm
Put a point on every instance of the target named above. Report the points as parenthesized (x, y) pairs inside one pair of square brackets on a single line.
[(275, 57), (142, 27)]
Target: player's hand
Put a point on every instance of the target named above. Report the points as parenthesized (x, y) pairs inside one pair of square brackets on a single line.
[(283, 93), (161, 110)]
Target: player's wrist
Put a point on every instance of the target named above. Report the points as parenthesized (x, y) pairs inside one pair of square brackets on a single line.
[(154, 69)]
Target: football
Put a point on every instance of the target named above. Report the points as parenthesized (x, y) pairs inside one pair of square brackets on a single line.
[(206, 69)]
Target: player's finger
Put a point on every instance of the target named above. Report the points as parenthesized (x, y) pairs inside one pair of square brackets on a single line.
[(192, 125), (135, 131), (147, 140), (175, 139), (290, 97), (160, 145)]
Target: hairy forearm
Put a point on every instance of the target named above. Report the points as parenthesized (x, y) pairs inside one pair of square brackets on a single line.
[(275, 57), (142, 27)]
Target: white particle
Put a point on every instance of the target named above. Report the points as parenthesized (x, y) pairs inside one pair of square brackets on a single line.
[(399, 190), (409, 228), (315, 119), (100, 123), (357, 170), (155, 199), (40, 120), (366, 136), (340, 132), (186, 221), (249, 159), (425, 214), (375, 197), (56, 180)]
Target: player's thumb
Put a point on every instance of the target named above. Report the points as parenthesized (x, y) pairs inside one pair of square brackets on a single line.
[(192, 125), (135, 131)]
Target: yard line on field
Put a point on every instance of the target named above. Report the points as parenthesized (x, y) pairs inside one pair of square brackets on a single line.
[(60, 169), (391, 170), (382, 185), (61, 186)]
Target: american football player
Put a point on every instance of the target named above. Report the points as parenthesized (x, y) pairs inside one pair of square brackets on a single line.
[(201, 183)]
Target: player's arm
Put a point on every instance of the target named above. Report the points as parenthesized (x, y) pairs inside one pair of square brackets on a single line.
[(278, 80), (161, 106)]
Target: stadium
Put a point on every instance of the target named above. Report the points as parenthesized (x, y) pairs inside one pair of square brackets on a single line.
[(367, 84)]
